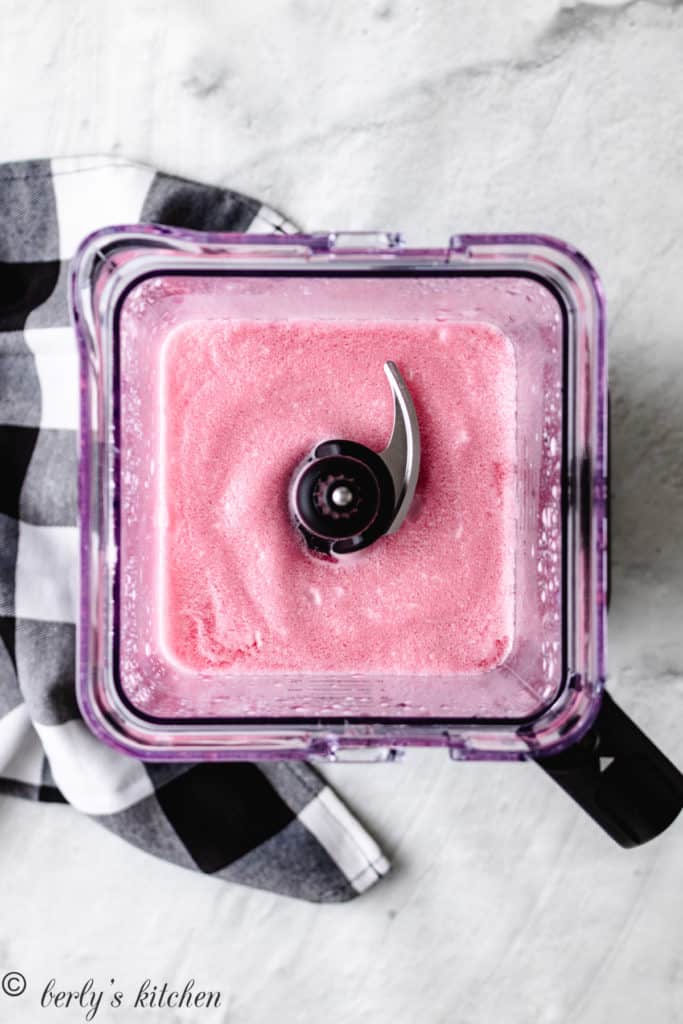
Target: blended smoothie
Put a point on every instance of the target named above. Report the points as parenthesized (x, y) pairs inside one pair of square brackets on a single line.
[(242, 403)]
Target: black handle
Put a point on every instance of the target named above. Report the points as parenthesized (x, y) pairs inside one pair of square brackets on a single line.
[(620, 778)]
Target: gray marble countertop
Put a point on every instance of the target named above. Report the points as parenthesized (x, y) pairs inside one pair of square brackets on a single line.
[(428, 116)]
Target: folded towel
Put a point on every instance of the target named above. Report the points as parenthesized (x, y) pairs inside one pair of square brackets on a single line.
[(275, 826)]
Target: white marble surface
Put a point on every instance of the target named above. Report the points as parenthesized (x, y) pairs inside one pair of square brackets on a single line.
[(506, 903)]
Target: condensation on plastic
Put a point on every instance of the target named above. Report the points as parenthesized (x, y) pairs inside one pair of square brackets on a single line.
[(546, 299)]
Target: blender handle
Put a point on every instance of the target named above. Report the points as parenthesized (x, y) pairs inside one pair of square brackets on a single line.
[(616, 774)]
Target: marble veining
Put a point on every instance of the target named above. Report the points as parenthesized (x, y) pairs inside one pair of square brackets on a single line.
[(429, 116)]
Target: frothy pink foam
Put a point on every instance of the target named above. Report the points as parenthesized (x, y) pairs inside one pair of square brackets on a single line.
[(243, 403)]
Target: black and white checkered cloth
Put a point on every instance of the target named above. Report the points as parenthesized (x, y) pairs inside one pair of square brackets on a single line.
[(273, 826)]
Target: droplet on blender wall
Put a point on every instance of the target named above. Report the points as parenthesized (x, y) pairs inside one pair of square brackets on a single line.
[(549, 516)]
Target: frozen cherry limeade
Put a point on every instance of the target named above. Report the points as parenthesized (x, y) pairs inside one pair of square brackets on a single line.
[(339, 497), (241, 404)]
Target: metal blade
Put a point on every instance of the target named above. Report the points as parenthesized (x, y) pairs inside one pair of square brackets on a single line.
[(402, 454)]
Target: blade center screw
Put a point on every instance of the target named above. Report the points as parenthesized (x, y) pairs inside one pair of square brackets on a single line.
[(342, 496)]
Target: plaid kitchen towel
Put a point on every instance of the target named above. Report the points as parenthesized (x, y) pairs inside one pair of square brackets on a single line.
[(273, 826)]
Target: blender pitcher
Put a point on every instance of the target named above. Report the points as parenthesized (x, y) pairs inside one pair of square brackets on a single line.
[(340, 497)]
